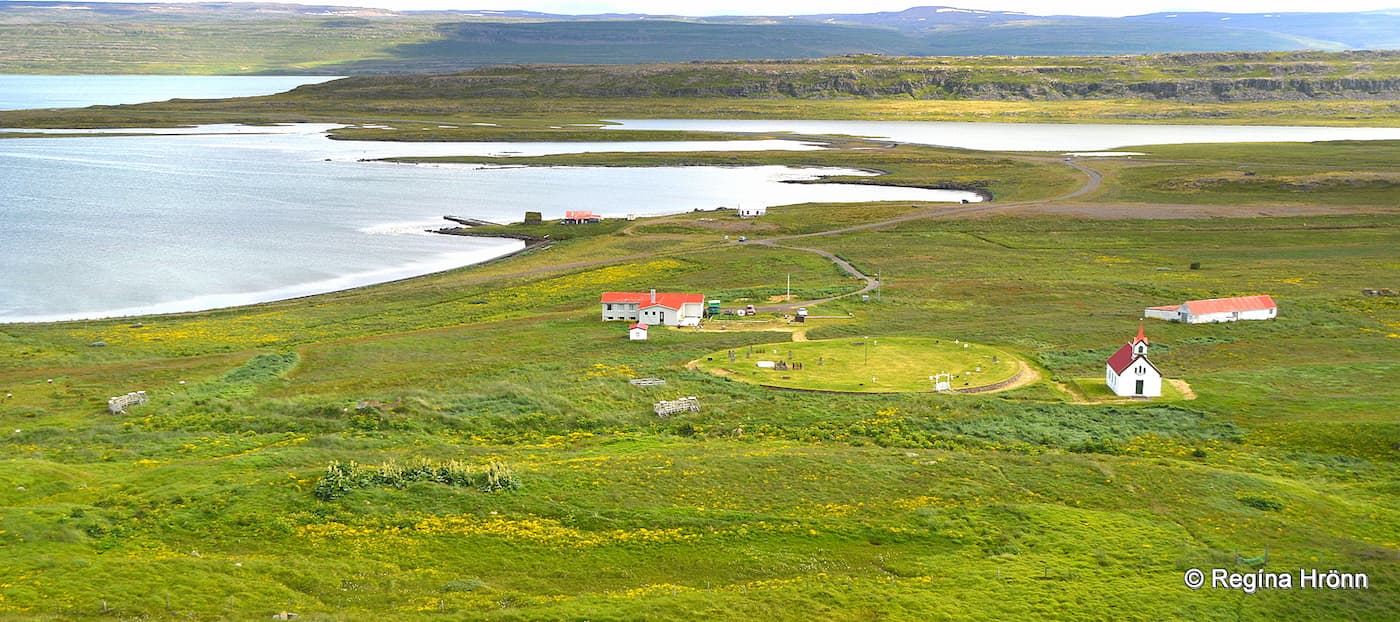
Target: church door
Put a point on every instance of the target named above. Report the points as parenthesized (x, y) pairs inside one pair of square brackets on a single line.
[(1139, 387)]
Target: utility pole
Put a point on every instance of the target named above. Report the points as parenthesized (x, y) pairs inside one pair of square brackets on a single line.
[(789, 290), (879, 287)]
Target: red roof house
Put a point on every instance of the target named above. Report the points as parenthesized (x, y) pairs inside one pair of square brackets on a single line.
[(576, 217), (668, 309)]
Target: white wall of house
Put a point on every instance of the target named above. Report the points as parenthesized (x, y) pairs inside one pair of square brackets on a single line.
[(657, 315), (619, 311), (694, 310), (1230, 316), (1163, 314)]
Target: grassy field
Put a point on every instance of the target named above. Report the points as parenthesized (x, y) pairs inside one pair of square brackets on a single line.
[(1094, 389), (866, 364), (1331, 173), (767, 504), (527, 114), (209, 502)]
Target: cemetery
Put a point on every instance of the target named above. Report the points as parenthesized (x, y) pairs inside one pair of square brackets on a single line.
[(870, 365)]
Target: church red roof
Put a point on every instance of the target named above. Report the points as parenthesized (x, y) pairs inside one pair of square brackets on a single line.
[(1229, 305), (1121, 359)]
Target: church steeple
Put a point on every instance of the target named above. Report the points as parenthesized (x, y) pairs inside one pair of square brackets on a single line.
[(1140, 344)]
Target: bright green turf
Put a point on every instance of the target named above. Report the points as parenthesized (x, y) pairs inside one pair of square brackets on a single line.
[(871, 364)]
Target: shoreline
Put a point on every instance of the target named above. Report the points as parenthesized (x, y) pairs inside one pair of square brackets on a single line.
[(137, 313)]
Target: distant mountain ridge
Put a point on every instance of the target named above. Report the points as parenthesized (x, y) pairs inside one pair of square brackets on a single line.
[(231, 37)]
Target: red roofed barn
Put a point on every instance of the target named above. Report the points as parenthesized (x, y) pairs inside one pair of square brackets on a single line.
[(653, 308), (1129, 372), (1217, 310)]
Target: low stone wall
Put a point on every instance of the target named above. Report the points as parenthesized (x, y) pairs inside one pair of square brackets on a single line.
[(993, 387)]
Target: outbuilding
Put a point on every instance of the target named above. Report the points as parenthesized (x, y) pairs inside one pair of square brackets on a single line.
[(580, 217), (1217, 310), (637, 332)]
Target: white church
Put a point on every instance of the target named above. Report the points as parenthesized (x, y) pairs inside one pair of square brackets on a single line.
[(1129, 372)]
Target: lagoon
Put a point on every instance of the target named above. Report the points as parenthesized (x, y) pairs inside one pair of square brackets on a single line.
[(27, 92), (124, 225)]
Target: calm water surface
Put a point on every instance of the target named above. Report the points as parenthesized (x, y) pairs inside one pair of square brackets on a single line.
[(226, 215), (24, 92), (103, 226)]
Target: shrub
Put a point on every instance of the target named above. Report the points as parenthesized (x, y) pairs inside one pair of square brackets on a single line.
[(1258, 502), (342, 478), (463, 585)]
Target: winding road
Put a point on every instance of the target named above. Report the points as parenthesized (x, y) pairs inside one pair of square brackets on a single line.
[(1093, 179), (1062, 204)]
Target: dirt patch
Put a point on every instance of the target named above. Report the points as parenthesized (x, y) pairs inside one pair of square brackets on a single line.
[(1028, 376), (1185, 389)]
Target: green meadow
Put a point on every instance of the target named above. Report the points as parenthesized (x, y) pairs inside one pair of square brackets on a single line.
[(466, 445)]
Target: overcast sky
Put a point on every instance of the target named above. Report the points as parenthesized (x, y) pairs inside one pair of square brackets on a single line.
[(801, 7)]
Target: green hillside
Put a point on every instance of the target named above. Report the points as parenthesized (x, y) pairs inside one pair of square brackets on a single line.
[(1251, 76)]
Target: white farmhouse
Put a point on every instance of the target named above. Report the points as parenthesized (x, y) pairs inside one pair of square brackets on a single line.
[(1130, 374), (1217, 310), (653, 308), (637, 332), (752, 212)]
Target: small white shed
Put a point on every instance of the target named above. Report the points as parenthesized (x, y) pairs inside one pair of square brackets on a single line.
[(637, 332)]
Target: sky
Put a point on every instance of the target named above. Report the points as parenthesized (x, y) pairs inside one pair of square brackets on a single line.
[(802, 7)]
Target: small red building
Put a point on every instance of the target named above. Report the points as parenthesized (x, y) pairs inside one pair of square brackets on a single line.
[(579, 217)]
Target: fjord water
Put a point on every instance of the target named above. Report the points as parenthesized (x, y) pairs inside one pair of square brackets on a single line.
[(1057, 137), (26, 92), (103, 226)]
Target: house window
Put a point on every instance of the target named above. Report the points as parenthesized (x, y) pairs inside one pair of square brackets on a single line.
[(1141, 369), (608, 307)]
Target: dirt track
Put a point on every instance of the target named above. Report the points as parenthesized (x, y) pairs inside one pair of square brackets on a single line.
[(1064, 204)]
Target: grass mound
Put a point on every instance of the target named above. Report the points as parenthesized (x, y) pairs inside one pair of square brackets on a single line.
[(866, 365)]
